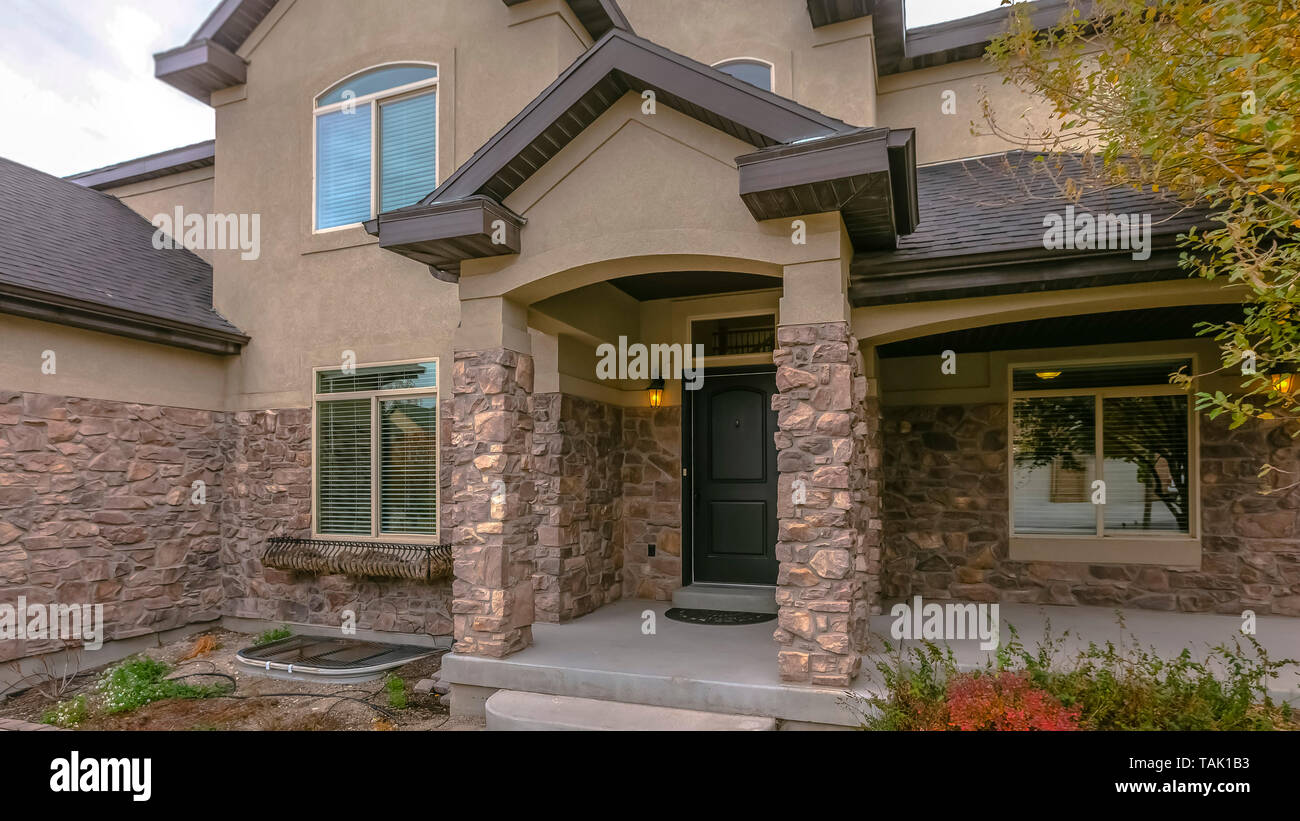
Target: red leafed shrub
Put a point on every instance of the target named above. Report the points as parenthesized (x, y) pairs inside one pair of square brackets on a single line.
[(1005, 701)]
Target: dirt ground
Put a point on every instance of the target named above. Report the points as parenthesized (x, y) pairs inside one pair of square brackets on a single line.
[(258, 702)]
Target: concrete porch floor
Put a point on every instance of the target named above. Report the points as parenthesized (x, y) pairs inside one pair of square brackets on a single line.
[(732, 669)]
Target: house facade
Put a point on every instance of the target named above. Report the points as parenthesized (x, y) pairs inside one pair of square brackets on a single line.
[(480, 224)]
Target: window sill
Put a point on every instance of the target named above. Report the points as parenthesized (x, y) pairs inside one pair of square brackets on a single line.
[(1162, 551), (336, 239)]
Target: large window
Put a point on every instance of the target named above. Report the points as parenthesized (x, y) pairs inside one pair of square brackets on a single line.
[(1101, 450), (754, 72), (376, 143), (377, 450)]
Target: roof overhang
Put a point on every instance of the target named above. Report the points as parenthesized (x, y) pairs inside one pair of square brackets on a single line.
[(186, 158), (827, 12), (200, 68), (868, 175), (77, 313), (596, 16), (443, 234), (877, 279), (807, 162), (900, 49)]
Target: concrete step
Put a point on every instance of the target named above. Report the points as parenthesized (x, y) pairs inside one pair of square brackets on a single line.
[(741, 599), (516, 710)]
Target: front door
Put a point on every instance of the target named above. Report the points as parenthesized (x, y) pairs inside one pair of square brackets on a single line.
[(733, 479)]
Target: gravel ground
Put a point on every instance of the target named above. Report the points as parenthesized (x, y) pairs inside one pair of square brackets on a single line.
[(258, 702)]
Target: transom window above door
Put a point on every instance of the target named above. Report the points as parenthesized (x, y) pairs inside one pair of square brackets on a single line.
[(755, 72), (376, 143)]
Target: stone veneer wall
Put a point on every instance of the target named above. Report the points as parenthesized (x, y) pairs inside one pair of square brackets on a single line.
[(268, 479), (947, 525), (490, 515), (95, 508), (828, 546), (577, 455), (652, 501)]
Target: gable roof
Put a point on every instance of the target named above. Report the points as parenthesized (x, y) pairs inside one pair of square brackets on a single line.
[(981, 232), (619, 63), (208, 61), (596, 16), (807, 162), (75, 256), (900, 49), (162, 164)]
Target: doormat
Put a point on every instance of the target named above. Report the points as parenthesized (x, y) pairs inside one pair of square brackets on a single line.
[(691, 616)]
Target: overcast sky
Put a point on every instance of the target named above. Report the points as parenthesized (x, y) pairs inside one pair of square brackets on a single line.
[(78, 84)]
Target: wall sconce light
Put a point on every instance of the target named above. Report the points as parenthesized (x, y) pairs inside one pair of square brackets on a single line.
[(656, 393), (1284, 383)]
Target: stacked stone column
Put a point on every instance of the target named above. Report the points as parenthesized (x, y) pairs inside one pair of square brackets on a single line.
[(491, 520), (828, 546)]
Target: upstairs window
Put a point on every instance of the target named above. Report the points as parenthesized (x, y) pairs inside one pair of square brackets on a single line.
[(754, 72), (376, 143), (1101, 449)]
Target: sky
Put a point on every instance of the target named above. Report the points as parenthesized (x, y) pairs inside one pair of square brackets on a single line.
[(78, 84)]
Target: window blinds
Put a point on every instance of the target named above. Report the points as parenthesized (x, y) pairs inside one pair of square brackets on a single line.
[(343, 466), (343, 167), (408, 150)]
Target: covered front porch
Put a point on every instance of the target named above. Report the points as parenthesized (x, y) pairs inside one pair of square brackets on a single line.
[(629, 652)]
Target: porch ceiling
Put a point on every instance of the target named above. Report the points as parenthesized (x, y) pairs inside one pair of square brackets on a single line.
[(1146, 325), (669, 284)]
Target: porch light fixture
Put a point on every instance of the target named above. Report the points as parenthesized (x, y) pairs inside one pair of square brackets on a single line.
[(1284, 383), (656, 393), (1047, 374)]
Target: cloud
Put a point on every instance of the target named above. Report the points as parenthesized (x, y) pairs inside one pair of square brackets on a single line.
[(927, 12), (78, 82)]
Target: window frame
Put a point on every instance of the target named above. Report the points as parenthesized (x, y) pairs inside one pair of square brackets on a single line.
[(1153, 548), (771, 70), (375, 397), (374, 99)]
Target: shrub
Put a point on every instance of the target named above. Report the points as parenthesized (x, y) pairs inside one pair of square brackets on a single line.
[(396, 688), (274, 634), (1005, 701), (1100, 687), (68, 713), (141, 680)]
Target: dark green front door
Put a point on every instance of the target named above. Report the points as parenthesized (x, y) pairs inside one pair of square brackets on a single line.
[(733, 466)]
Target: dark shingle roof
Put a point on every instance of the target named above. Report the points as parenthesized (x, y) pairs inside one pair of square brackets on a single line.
[(998, 203), (981, 232), (162, 164), (60, 239)]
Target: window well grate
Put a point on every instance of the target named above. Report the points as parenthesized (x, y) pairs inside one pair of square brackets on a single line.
[(317, 657)]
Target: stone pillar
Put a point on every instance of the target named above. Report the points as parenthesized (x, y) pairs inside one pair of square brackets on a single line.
[(828, 451), (492, 488)]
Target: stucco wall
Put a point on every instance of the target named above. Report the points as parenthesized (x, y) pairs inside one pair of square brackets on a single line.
[(104, 366)]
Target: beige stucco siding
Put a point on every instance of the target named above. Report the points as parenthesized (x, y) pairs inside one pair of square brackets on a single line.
[(96, 365), (312, 296), (829, 69)]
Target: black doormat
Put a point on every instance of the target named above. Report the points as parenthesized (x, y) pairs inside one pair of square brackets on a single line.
[(691, 616)]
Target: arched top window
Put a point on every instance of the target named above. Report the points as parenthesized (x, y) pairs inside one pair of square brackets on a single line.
[(377, 80), (755, 72), (376, 143)]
